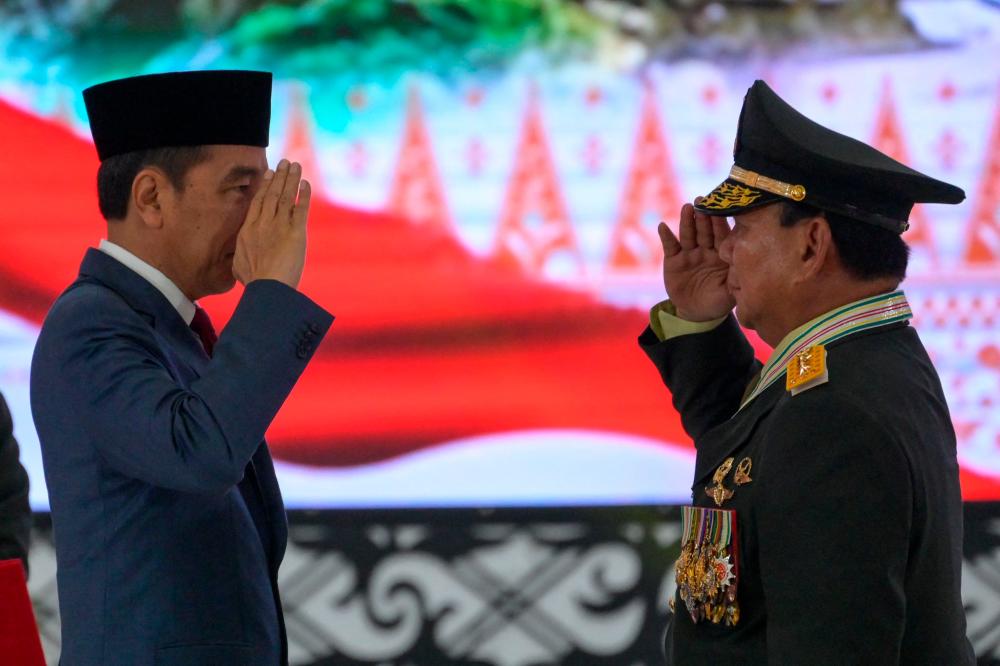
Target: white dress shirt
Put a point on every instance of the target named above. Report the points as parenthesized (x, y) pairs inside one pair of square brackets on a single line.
[(185, 308)]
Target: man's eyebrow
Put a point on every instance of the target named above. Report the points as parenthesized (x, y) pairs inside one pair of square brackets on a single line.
[(239, 173)]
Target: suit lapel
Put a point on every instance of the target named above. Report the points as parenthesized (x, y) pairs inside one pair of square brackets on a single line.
[(184, 348), (145, 299)]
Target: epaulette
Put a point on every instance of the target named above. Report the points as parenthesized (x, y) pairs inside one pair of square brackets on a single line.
[(806, 370)]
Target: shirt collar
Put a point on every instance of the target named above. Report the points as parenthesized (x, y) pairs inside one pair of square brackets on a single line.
[(184, 306)]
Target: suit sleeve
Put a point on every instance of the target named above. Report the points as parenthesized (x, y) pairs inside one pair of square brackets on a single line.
[(833, 522), (705, 372), (146, 425), (15, 514)]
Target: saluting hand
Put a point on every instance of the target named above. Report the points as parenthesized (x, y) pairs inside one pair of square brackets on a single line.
[(272, 242), (693, 272)]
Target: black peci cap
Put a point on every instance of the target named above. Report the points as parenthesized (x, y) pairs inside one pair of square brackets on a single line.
[(231, 107), (782, 155)]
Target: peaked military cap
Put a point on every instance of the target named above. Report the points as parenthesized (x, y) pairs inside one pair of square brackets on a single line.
[(231, 107), (780, 155)]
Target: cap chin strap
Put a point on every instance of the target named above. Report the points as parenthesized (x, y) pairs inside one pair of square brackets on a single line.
[(798, 193)]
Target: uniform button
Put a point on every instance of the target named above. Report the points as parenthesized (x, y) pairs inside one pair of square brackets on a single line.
[(304, 350), (314, 328)]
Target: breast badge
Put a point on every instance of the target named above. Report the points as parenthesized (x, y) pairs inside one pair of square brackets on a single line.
[(719, 492), (708, 567), (742, 475)]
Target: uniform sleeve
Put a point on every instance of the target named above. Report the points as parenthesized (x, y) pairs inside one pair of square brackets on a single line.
[(146, 425), (706, 372), (833, 522), (15, 514), (665, 323)]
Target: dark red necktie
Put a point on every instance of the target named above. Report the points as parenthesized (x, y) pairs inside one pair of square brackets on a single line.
[(202, 326)]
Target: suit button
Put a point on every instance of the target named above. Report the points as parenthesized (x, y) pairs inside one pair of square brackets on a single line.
[(314, 328), (304, 350)]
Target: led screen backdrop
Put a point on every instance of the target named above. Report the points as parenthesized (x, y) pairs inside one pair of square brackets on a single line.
[(489, 178)]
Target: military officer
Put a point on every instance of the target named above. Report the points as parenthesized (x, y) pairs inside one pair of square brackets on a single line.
[(826, 516)]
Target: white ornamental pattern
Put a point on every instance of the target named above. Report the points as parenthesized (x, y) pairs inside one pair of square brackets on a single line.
[(516, 593), (981, 595), (515, 602)]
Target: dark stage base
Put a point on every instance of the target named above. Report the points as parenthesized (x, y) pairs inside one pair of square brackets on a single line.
[(509, 587)]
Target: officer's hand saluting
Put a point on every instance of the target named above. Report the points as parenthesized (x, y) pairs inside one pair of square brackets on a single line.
[(693, 272)]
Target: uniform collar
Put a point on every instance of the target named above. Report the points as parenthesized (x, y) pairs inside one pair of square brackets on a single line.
[(184, 306), (860, 315)]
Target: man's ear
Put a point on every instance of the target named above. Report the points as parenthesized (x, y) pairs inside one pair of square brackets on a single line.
[(150, 189), (816, 248)]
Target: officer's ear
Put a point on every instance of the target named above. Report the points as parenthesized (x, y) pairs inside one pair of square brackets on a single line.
[(149, 191), (816, 247)]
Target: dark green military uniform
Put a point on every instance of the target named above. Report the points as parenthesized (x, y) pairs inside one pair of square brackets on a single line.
[(826, 525), (850, 530)]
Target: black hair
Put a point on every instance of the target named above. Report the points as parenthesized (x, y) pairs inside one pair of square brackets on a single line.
[(868, 252), (116, 174)]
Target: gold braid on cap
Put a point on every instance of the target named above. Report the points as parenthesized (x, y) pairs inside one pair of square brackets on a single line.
[(754, 179), (727, 196)]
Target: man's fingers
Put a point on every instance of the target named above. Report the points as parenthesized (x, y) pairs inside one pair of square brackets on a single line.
[(720, 229), (688, 239), (703, 230), (253, 211), (301, 211), (274, 190), (289, 192), (670, 244)]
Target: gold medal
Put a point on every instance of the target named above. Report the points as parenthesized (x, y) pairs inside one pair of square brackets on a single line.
[(707, 572)]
